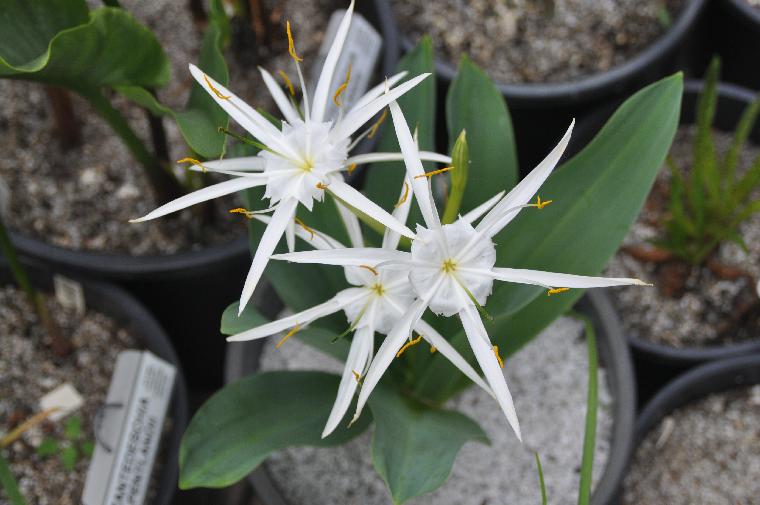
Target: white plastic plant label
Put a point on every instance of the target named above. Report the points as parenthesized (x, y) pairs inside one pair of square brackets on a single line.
[(360, 52), (65, 399), (128, 430), (69, 293)]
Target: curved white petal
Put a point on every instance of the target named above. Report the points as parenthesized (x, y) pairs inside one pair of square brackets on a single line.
[(202, 195), (361, 159), (357, 117), (351, 222), (481, 209), (280, 218), (378, 90), (355, 199), (359, 256), (322, 91), (231, 166), (290, 235), (477, 336), (501, 215), (355, 362), (282, 101), (414, 170), (401, 213), (314, 238), (253, 122), (557, 280)]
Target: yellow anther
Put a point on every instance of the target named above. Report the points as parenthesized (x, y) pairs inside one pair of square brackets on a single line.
[(498, 358), (408, 345), (288, 83), (322, 186), (351, 168), (556, 291), (216, 91), (376, 126), (289, 334), (539, 204), (291, 44), (433, 349), (367, 267), (303, 225), (240, 210), (357, 376), (403, 198), (433, 172), (342, 87), (194, 162)]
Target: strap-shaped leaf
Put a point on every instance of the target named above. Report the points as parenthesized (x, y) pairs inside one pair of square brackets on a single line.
[(58, 42), (597, 196), (238, 427), (414, 446)]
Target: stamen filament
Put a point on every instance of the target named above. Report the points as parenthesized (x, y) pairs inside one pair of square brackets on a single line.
[(498, 358), (291, 44), (288, 82), (194, 162), (376, 126), (240, 210), (367, 267), (433, 172), (403, 198), (351, 168), (539, 204), (214, 90), (353, 325), (357, 376), (556, 291), (342, 87), (433, 349), (292, 332), (303, 225), (322, 186), (408, 345), (480, 308)]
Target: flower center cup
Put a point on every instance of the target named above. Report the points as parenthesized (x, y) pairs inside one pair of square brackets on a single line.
[(389, 296), (448, 252)]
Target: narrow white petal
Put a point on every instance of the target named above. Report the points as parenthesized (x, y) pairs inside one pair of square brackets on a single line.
[(378, 90), (280, 219), (557, 280), (481, 209), (414, 170), (523, 193), (202, 195), (361, 159), (286, 323), (356, 118), (351, 222), (446, 349), (401, 213), (367, 256), (355, 362), (290, 235), (253, 122), (477, 336), (314, 238), (355, 199), (282, 101), (322, 91), (251, 164)]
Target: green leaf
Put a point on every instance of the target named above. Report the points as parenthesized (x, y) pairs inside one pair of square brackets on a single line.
[(597, 196), (72, 429), (69, 456), (87, 447), (238, 427), (704, 176), (48, 447), (414, 446), (476, 105), (541, 479), (384, 179), (58, 42), (460, 161), (592, 398), (743, 129), (8, 483)]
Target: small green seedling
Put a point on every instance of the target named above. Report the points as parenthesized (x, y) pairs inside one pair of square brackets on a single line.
[(710, 201), (71, 448)]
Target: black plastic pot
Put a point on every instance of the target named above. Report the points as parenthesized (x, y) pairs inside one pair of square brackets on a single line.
[(735, 36), (243, 360), (716, 377), (541, 112), (132, 315), (188, 291)]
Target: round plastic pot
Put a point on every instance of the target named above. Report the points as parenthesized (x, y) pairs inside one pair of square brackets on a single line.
[(541, 112), (131, 315), (188, 291), (715, 377), (243, 360), (735, 36)]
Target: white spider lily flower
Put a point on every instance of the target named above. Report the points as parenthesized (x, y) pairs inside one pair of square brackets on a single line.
[(373, 305), (452, 268), (305, 158)]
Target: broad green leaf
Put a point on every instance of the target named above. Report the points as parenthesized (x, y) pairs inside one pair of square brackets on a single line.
[(313, 335), (238, 427), (201, 119), (414, 446), (57, 42), (384, 180), (597, 196), (476, 105)]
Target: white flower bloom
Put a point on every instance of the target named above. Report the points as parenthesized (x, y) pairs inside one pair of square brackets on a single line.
[(377, 300), (301, 161), (452, 268)]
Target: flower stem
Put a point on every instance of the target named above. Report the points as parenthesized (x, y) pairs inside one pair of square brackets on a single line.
[(66, 124), (164, 183)]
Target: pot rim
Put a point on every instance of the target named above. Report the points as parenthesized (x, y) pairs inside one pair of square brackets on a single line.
[(613, 353), (594, 86), (129, 313), (747, 14)]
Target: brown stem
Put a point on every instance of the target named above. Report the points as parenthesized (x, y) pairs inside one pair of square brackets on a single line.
[(66, 124), (647, 254), (258, 21), (198, 11), (61, 346), (158, 135)]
